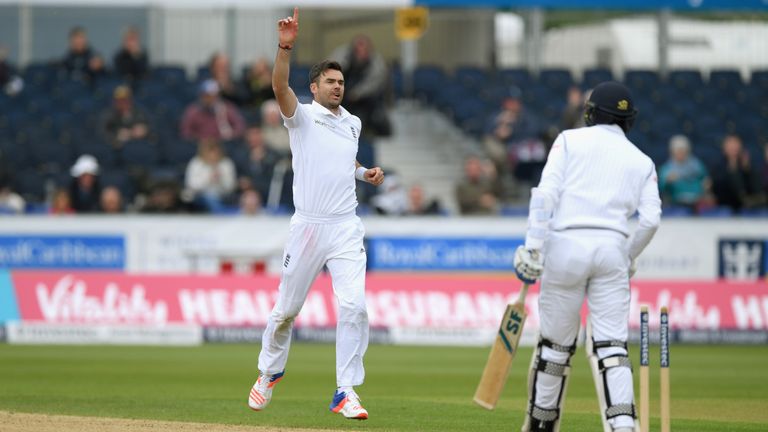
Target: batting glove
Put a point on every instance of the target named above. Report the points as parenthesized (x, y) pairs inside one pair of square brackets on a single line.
[(529, 264)]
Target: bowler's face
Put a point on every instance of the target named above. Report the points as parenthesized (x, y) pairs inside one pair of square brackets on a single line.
[(328, 89)]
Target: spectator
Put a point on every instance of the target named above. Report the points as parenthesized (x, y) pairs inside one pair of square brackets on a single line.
[(10, 81), (220, 72), (81, 62), (765, 169), (736, 183), (683, 179), (124, 122), (6, 71), (392, 198), (61, 203), (250, 203), (573, 113), (365, 75), (417, 204), (211, 117), (475, 193), (513, 140), (131, 61), (275, 133), (257, 83), (111, 200), (260, 166), (163, 197), (210, 176), (10, 201), (84, 189)]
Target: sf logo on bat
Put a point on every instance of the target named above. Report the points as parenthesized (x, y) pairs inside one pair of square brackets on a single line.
[(513, 323)]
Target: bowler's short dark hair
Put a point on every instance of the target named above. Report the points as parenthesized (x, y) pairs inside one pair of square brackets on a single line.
[(321, 67)]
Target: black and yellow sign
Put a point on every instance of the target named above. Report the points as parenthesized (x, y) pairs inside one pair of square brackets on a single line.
[(411, 23)]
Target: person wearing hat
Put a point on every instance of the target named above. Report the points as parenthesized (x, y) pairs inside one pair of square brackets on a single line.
[(683, 179), (579, 242), (84, 189), (124, 122), (211, 117)]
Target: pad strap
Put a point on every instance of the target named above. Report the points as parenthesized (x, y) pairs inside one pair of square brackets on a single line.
[(619, 410), (551, 368), (543, 414), (570, 349), (618, 360), (609, 344)]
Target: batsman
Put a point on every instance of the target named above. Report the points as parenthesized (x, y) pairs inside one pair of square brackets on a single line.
[(579, 242)]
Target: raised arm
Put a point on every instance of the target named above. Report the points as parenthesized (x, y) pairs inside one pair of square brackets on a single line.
[(288, 30)]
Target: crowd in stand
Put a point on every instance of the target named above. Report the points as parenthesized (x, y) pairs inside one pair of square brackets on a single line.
[(221, 148), (516, 146), (151, 142)]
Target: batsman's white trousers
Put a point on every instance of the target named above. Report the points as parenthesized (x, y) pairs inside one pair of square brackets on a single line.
[(595, 263), (314, 242)]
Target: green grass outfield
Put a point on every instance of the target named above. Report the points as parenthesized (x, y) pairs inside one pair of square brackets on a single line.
[(714, 388)]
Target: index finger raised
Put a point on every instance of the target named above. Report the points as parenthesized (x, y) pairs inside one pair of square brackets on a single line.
[(296, 13)]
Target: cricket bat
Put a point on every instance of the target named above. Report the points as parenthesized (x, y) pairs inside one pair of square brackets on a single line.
[(502, 353)]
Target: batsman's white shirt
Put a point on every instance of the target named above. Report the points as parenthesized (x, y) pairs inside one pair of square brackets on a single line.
[(324, 232), (595, 179)]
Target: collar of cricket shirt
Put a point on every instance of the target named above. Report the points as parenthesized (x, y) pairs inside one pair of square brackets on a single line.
[(343, 113)]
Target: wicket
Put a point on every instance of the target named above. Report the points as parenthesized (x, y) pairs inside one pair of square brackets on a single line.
[(663, 372)]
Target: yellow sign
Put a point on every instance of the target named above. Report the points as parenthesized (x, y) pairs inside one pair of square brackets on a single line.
[(411, 23)]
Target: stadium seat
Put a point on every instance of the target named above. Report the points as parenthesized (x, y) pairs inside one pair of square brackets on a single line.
[(299, 78), (557, 80), (641, 81), (759, 80), (471, 77), (139, 153), (428, 81), (520, 78), (725, 80), (169, 75), (119, 179), (686, 80), (593, 77)]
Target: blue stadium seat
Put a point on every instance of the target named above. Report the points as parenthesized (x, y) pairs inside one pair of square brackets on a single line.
[(139, 153), (119, 179), (686, 80), (759, 79), (40, 75), (472, 77), (169, 75), (30, 184), (428, 81), (514, 211), (299, 78), (725, 80), (593, 77), (557, 80), (641, 80), (514, 77)]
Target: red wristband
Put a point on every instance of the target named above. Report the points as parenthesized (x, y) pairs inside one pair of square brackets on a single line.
[(285, 47)]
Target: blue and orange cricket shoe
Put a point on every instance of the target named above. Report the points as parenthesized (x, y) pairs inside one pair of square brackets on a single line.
[(261, 392), (348, 404)]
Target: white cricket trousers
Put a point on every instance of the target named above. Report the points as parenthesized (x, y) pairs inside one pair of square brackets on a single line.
[(313, 243), (595, 263)]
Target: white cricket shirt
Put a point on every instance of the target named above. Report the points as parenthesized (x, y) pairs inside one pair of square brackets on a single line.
[(596, 178), (324, 148)]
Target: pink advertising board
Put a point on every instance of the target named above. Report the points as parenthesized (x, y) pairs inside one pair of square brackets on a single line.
[(395, 301)]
